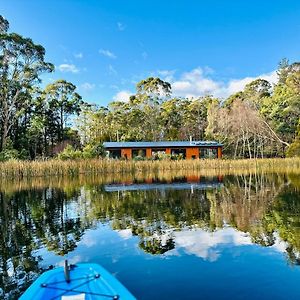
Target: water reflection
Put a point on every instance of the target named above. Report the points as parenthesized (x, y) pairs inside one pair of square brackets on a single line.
[(172, 217)]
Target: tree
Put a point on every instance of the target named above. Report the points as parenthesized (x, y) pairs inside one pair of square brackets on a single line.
[(63, 101), (21, 63), (4, 25), (154, 86)]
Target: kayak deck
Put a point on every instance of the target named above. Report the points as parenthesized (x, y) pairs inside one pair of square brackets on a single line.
[(87, 282)]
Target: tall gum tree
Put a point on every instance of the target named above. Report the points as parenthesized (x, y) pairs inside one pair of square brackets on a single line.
[(21, 63), (63, 101)]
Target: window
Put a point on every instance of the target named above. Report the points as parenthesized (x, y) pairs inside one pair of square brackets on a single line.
[(208, 153), (180, 152), (115, 153), (138, 152)]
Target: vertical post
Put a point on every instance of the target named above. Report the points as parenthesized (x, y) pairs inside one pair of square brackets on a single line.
[(219, 152), (192, 152), (126, 153), (148, 152)]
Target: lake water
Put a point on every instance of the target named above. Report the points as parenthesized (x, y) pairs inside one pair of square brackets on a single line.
[(226, 237)]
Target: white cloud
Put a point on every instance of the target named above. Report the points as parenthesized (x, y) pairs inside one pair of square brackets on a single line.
[(195, 83), (78, 55), (206, 244), (68, 68), (112, 70), (87, 86), (121, 26), (168, 75), (198, 82), (122, 96), (88, 240), (236, 85), (125, 234), (107, 53)]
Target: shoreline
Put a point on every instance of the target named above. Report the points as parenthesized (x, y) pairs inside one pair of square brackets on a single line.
[(14, 169)]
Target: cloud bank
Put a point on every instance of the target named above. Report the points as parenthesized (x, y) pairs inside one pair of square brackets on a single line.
[(198, 82)]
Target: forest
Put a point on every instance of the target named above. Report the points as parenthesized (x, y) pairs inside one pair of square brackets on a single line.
[(38, 121)]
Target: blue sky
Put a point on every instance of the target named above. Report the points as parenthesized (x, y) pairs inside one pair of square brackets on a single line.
[(201, 47)]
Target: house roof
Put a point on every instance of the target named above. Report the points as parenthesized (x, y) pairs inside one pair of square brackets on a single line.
[(162, 144)]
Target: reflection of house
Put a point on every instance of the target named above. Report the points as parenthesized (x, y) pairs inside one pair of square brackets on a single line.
[(188, 150), (160, 186), (179, 183)]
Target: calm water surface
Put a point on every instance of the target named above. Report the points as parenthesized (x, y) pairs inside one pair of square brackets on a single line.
[(232, 237)]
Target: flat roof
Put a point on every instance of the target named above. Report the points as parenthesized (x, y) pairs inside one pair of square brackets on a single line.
[(162, 144)]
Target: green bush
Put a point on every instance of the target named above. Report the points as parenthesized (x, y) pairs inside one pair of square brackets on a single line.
[(9, 154), (294, 148), (69, 153), (87, 152), (93, 151)]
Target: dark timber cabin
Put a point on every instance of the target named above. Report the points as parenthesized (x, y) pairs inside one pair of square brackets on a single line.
[(188, 150)]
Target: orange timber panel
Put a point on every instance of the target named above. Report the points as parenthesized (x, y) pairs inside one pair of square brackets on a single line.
[(219, 152), (194, 151), (126, 152), (193, 179), (148, 152)]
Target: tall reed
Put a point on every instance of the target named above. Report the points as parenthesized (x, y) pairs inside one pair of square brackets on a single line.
[(209, 167)]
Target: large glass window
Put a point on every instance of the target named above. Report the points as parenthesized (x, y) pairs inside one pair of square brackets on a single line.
[(208, 153), (115, 153), (180, 152), (138, 152)]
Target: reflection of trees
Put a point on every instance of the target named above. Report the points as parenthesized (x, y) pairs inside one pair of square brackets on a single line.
[(244, 200), (58, 231), (283, 219), (16, 243), (156, 245), (151, 214), (266, 206), (31, 219)]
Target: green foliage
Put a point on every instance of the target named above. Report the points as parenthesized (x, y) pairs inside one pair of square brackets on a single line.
[(9, 154), (69, 153), (88, 152), (259, 121), (294, 148)]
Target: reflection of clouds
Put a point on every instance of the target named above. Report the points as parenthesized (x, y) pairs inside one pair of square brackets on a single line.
[(88, 241), (279, 244), (205, 244), (125, 233), (72, 260)]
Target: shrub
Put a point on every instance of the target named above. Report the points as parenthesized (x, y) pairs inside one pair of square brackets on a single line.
[(69, 153), (294, 148), (9, 154)]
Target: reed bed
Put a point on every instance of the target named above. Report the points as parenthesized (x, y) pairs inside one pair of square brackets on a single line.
[(209, 167)]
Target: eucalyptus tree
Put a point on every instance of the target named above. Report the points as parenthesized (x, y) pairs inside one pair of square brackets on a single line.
[(63, 101), (21, 63), (4, 25), (151, 93)]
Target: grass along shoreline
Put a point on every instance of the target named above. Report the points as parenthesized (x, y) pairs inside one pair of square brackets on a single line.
[(210, 167)]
